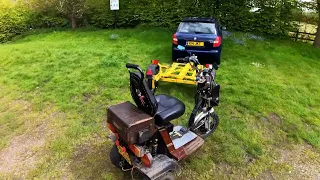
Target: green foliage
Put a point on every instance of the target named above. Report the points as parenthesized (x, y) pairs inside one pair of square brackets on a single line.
[(236, 15), (306, 17), (75, 8), (40, 20), (13, 21), (273, 17), (17, 17), (98, 14)]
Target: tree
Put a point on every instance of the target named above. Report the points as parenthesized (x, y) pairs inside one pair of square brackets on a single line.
[(73, 9)]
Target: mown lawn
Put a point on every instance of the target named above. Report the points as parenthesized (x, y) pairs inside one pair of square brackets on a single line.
[(270, 99)]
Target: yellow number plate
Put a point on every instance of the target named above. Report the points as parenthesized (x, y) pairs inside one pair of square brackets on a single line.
[(194, 43), (125, 155)]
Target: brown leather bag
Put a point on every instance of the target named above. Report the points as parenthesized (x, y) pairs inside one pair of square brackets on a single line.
[(132, 125)]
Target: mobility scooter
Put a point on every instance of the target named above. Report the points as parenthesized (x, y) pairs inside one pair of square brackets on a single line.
[(144, 137)]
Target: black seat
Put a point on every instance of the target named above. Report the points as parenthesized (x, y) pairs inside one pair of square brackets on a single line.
[(169, 108), (164, 108)]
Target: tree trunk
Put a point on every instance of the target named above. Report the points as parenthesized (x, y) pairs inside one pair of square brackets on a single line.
[(317, 40), (73, 22)]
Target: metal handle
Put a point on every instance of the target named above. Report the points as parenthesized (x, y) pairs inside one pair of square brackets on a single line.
[(183, 60), (134, 66)]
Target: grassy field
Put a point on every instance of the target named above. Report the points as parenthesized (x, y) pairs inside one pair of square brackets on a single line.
[(55, 87)]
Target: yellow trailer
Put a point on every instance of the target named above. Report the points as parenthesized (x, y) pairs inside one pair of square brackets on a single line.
[(183, 73)]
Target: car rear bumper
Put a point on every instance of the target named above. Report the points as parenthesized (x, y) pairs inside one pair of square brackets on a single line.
[(203, 56), (197, 51)]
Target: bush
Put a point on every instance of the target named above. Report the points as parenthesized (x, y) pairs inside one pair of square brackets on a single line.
[(99, 15), (13, 21), (16, 18), (274, 17), (39, 20)]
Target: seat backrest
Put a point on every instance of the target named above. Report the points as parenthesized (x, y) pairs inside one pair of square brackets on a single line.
[(140, 92)]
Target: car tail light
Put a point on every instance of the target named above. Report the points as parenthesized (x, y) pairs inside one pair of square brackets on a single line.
[(155, 62), (175, 39), (217, 42)]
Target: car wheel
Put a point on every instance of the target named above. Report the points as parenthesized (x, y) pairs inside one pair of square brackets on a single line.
[(217, 60), (174, 57)]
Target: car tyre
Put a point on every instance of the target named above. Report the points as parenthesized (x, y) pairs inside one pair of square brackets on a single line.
[(174, 57)]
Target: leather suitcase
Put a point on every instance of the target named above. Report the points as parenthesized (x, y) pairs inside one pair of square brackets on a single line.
[(132, 125)]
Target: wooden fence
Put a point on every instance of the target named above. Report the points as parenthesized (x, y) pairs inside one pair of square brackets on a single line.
[(303, 36)]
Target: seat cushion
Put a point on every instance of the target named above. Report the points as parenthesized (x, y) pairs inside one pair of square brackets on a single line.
[(169, 108)]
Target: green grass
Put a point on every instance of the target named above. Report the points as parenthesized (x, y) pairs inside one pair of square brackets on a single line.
[(83, 72)]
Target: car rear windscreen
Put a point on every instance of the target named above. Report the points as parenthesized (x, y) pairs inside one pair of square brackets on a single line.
[(197, 27)]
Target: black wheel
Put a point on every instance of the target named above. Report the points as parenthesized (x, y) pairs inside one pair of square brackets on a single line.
[(117, 160), (218, 59), (200, 128), (167, 176), (174, 57), (115, 156)]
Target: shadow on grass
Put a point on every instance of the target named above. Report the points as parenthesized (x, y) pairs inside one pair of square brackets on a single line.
[(91, 160)]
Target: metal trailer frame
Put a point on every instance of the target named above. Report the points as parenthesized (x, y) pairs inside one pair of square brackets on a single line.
[(182, 73)]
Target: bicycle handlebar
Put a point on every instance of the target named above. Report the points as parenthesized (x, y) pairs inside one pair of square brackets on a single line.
[(183, 60), (134, 66)]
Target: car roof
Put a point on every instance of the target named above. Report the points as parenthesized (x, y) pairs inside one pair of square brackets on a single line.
[(199, 19)]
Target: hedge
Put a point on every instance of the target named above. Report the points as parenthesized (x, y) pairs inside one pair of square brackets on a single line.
[(273, 17)]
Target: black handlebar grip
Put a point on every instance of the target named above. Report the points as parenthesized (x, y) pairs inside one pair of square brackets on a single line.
[(215, 66), (132, 66), (182, 60)]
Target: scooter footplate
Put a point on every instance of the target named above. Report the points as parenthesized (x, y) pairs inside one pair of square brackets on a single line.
[(193, 146), (187, 149), (160, 165), (183, 138)]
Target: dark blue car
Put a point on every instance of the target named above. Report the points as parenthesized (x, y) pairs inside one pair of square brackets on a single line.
[(200, 36)]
